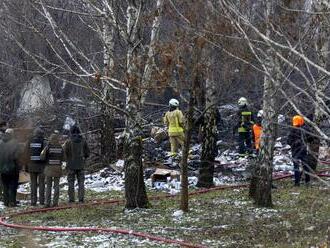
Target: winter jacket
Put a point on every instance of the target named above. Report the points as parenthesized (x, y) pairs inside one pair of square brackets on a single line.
[(174, 120), (312, 139), (54, 156), (76, 151), (34, 148), (297, 141), (10, 153), (244, 120), (313, 144)]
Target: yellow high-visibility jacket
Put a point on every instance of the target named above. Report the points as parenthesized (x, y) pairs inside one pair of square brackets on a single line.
[(174, 120)]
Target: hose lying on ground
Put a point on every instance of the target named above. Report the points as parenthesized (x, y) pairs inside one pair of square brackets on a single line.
[(4, 219)]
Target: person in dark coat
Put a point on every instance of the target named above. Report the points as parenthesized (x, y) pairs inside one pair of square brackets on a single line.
[(36, 166), (76, 151), (10, 153), (244, 122), (297, 141), (313, 144), (53, 155)]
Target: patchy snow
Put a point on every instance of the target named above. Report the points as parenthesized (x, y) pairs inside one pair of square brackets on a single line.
[(99, 241), (102, 181), (178, 214), (230, 169), (120, 163), (233, 169)]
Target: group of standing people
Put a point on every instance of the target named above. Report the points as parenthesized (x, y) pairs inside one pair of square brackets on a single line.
[(44, 160), (304, 145)]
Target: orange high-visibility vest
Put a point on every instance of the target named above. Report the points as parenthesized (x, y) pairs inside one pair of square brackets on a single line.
[(257, 131)]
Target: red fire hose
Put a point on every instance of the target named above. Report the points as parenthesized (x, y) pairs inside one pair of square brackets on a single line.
[(99, 229), (3, 219)]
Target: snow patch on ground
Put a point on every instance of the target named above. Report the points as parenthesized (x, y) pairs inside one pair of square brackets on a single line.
[(232, 169)]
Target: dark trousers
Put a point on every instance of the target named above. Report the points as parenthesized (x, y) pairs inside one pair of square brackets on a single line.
[(297, 163), (37, 181), (245, 142), (72, 174), (49, 184), (10, 185)]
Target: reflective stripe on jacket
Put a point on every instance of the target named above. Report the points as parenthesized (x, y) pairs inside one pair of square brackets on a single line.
[(175, 122), (35, 158), (55, 155), (257, 131), (246, 120)]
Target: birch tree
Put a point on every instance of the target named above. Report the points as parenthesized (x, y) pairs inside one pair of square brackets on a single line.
[(108, 142), (73, 64)]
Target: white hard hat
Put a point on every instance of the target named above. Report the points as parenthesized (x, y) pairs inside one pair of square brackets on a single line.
[(260, 113), (280, 119), (173, 102), (9, 131), (242, 101)]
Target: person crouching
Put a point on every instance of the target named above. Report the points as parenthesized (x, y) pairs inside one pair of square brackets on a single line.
[(54, 156)]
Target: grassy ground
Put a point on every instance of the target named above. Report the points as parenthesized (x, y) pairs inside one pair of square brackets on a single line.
[(300, 218)]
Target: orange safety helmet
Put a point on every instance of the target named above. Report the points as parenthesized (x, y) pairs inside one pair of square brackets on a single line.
[(298, 121)]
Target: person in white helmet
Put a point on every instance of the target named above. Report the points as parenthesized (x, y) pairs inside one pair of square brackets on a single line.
[(174, 120), (244, 127)]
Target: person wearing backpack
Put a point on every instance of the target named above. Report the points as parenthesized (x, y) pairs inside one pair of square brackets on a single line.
[(53, 155), (36, 166), (10, 153), (76, 151)]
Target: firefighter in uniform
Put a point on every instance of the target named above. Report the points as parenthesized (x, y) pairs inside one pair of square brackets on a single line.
[(244, 126), (174, 120), (54, 156), (36, 166)]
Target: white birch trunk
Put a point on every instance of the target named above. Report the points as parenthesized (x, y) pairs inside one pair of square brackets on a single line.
[(322, 49), (108, 142), (154, 37), (262, 180), (135, 192)]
